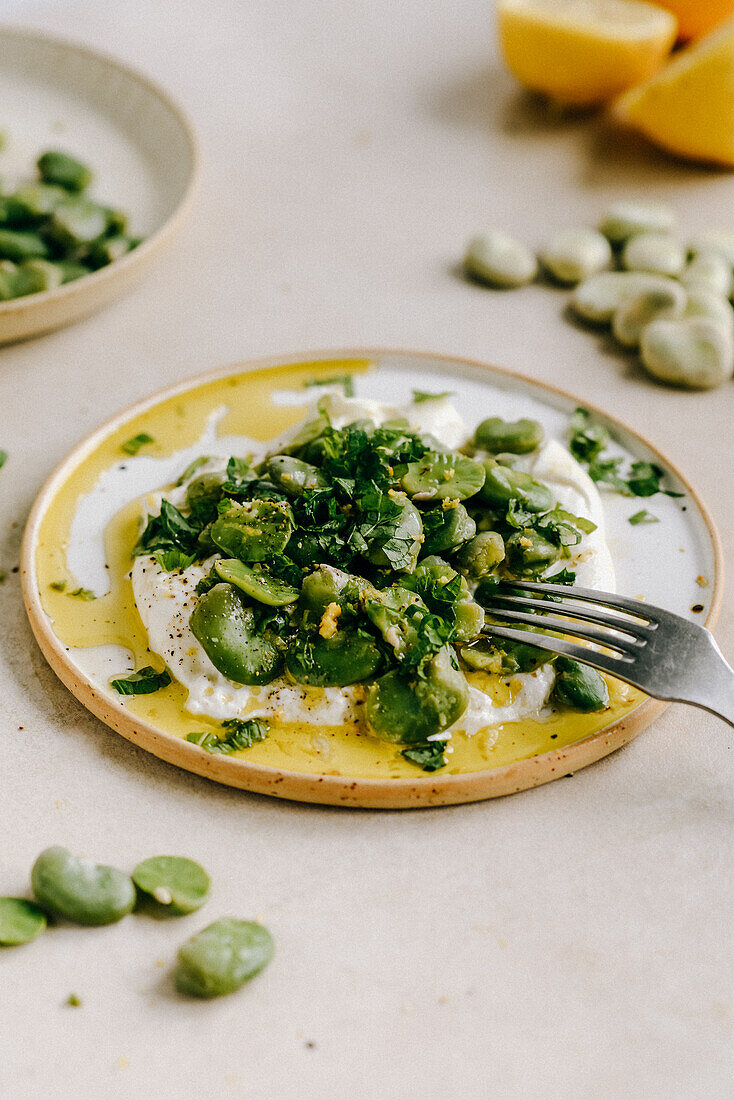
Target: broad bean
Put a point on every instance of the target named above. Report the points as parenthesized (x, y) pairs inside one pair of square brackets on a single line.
[(499, 260), (695, 353)]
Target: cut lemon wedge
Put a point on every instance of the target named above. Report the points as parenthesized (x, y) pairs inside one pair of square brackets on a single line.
[(697, 17), (583, 52), (688, 108)]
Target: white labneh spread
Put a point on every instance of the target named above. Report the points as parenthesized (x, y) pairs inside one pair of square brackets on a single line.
[(165, 600)]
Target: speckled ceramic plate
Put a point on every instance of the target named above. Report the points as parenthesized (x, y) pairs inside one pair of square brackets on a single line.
[(675, 563), (57, 94)]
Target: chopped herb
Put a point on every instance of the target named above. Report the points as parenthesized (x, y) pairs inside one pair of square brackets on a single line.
[(167, 531), (419, 396), (192, 468), (58, 586), (587, 441), (563, 576), (344, 380), (173, 559), (3, 457), (74, 1000), (428, 755), (132, 446), (83, 594), (240, 735), (143, 682), (643, 517)]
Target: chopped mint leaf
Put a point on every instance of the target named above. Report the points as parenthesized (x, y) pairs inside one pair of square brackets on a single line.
[(74, 1000), (167, 531), (419, 396), (3, 457), (587, 442), (241, 734), (132, 446), (173, 559), (643, 517), (428, 755), (58, 586), (344, 380), (143, 682), (82, 594)]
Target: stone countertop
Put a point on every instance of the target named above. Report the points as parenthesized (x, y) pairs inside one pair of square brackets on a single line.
[(571, 941)]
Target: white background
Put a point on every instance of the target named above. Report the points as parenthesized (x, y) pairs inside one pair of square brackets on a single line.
[(574, 941)]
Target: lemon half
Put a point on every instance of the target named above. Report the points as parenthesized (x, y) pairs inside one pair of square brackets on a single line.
[(688, 108), (584, 52)]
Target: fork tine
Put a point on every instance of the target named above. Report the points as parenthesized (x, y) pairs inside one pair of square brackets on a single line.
[(632, 627), (590, 595), (615, 666), (564, 626)]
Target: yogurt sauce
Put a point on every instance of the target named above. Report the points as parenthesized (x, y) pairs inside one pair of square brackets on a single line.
[(165, 600)]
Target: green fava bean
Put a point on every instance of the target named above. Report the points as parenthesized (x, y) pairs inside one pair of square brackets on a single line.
[(580, 686), (636, 312), (627, 219), (327, 585), (77, 223), (705, 303), (497, 259), (256, 584), (71, 269), (203, 494), (79, 890), (35, 276), (482, 554), (34, 202), (295, 477), (394, 612), (20, 245), (20, 921), (255, 530), (502, 485), (223, 957), (469, 618), (109, 249), (439, 476), (709, 270), (406, 711), (347, 657), (503, 657), (654, 252), (177, 884), (64, 170), (572, 255), (516, 437), (695, 353), (225, 628), (395, 542), (597, 299), (445, 529), (529, 553)]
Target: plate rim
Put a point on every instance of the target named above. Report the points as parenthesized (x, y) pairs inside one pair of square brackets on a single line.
[(314, 787), (152, 244)]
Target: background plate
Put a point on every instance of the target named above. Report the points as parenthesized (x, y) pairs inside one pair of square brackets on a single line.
[(56, 94), (664, 563)]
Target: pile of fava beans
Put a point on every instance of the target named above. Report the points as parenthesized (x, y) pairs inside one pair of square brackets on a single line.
[(668, 300), (51, 232)]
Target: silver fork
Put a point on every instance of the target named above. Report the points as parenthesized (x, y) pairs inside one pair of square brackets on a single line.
[(660, 653)]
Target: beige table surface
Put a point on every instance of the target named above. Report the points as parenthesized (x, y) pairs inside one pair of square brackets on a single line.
[(574, 941)]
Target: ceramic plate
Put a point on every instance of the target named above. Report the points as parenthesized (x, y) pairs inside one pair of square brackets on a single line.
[(56, 94), (79, 535)]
